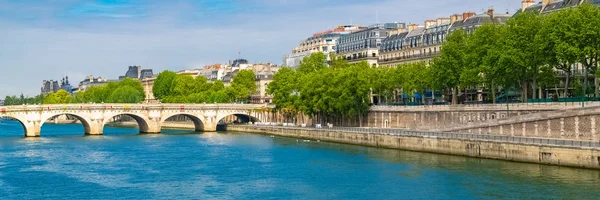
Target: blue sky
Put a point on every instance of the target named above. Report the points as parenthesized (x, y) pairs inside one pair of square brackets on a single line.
[(46, 39)]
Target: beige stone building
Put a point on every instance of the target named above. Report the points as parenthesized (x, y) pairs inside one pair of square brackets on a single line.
[(324, 41), (423, 43), (364, 45)]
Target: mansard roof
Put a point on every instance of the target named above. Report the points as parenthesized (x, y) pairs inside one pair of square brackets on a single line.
[(479, 20), (417, 32)]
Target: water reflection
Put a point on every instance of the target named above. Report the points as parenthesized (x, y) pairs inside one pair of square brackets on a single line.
[(514, 171)]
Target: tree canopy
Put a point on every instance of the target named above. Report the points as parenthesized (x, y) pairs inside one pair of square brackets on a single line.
[(174, 88)]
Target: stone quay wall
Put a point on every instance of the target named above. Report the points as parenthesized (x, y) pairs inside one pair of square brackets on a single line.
[(583, 157)]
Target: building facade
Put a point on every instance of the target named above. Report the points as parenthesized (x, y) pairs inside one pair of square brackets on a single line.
[(50, 86), (91, 81), (423, 43), (148, 83), (136, 72), (363, 45), (324, 41)]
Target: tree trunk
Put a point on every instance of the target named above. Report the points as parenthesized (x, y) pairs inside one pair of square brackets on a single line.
[(534, 88), (493, 91), (454, 95), (595, 86), (585, 82), (567, 84), (359, 119), (524, 90)]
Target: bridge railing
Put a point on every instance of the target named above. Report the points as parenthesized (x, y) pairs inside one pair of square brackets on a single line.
[(462, 136), (498, 106), (130, 106)]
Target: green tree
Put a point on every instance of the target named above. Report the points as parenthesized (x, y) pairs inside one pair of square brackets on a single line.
[(523, 49), (484, 51), (586, 35), (560, 49), (217, 86), (202, 84), (284, 89), (59, 97), (447, 69), (126, 94), (418, 78), (383, 82), (245, 82), (313, 62), (163, 84), (183, 85)]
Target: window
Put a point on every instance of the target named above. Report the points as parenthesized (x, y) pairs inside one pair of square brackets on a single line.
[(325, 49)]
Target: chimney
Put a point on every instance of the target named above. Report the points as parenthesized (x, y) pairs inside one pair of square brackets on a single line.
[(490, 12), (442, 20), (429, 23), (412, 27), (526, 4), (467, 15), (456, 17)]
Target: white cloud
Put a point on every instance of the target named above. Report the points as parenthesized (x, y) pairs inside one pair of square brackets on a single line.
[(174, 37)]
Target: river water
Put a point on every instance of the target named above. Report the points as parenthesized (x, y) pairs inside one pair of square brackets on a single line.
[(64, 164)]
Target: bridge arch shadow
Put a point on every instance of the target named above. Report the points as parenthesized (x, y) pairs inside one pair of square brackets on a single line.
[(235, 118), (10, 122), (128, 120), (182, 119), (69, 118)]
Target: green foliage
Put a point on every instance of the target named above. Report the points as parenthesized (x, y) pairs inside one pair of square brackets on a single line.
[(126, 94), (125, 91), (447, 69), (186, 89), (340, 90), (314, 62), (417, 77), (14, 100), (163, 84), (60, 97), (244, 82)]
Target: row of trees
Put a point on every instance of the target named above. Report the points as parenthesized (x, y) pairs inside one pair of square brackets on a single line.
[(20, 100), (340, 89), (125, 91), (170, 87), (523, 53)]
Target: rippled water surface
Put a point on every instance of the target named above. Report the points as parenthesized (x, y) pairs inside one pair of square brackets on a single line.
[(64, 164)]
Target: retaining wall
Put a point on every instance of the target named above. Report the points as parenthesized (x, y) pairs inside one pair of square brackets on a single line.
[(565, 156)]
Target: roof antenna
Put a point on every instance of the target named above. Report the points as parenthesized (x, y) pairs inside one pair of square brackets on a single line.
[(377, 16)]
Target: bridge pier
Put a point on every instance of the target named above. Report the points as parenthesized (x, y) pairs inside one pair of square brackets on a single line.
[(210, 127), (32, 129), (153, 127)]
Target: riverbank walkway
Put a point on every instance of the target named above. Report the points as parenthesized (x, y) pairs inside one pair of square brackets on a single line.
[(443, 135)]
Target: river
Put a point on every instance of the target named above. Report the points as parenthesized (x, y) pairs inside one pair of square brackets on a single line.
[(65, 164)]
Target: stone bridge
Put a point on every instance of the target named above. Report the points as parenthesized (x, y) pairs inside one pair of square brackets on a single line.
[(149, 117)]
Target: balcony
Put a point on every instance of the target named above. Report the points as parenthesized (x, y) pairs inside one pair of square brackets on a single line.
[(409, 58)]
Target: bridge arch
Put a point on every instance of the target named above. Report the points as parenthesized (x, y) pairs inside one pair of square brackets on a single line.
[(198, 122), (145, 125), (243, 117), (85, 122), (27, 130)]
